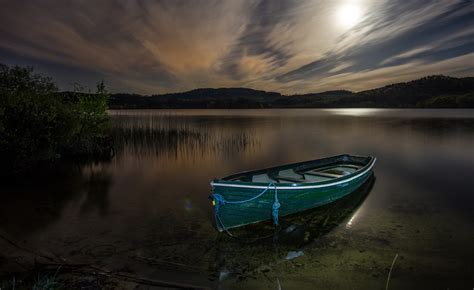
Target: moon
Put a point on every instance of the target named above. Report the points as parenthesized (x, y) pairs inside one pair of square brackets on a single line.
[(348, 15)]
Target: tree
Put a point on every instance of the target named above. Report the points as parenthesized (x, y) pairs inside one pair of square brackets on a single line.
[(39, 123)]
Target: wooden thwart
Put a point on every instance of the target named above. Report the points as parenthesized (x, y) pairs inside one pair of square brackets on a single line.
[(292, 179), (324, 174)]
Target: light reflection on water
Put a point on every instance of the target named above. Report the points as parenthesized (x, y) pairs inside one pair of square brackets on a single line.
[(359, 112), (154, 192)]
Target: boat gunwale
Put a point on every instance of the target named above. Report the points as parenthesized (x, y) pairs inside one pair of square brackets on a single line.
[(293, 186)]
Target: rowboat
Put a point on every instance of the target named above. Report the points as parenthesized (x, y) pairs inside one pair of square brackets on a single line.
[(267, 194)]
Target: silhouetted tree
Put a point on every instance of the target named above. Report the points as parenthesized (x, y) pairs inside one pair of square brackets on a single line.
[(39, 123)]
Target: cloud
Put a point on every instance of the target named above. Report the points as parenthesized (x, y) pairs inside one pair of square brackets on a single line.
[(149, 46), (383, 75), (425, 33), (81, 35), (157, 43)]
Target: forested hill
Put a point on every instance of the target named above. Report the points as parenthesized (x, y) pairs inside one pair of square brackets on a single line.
[(428, 92)]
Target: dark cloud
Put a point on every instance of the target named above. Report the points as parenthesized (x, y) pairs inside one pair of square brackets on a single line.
[(447, 35), (255, 42), (94, 38), (150, 46)]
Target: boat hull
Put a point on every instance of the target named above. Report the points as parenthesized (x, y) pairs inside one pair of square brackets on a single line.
[(293, 198)]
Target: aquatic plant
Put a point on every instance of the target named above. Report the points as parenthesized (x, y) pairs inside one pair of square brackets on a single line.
[(48, 282)]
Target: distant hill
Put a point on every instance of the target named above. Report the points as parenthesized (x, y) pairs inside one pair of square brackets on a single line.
[(428, 92), (199, 98)]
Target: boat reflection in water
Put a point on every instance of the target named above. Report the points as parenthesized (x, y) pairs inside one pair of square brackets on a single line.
[(258, 248), (303, 228)]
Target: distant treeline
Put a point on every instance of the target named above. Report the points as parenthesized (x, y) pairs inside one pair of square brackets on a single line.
[(428, 92)]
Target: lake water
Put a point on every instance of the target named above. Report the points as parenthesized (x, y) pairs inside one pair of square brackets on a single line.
[(146, 211)]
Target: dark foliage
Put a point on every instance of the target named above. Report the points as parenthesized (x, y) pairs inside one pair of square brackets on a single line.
[(421, 93), (38, 123)]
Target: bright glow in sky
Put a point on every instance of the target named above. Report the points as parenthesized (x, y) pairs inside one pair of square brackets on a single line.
[(300, 46), (348, 15)]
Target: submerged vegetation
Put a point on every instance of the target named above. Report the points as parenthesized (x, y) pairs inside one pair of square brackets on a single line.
[(39, 123)]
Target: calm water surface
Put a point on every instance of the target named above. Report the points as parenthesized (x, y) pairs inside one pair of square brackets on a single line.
[(146, 211)]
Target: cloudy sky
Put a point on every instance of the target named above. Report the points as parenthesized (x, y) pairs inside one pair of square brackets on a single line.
[(149, 46)]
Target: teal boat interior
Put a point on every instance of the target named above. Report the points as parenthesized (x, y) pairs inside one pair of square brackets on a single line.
[(321, 170)]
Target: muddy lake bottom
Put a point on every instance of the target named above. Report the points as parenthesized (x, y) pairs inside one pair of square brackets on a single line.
[(143, 219)]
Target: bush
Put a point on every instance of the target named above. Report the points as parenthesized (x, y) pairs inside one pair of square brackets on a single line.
[(39, 123)]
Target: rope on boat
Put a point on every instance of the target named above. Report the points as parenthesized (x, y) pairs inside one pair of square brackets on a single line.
[(275, 207), (220, 201)]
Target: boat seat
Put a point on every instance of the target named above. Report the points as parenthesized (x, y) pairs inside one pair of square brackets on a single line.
[(291, 179), (315, 178), (346, 168), (262, 178), (337, 171), (351, 166), (324, 174), (289, 173)]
